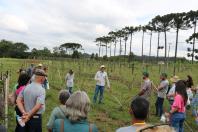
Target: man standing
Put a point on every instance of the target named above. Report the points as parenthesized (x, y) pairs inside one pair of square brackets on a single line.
[(100, 78), (69, 79), (146, 87), (31, 103), (161, 94)]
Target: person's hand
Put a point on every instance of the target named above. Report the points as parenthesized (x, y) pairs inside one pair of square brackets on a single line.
[(26, 117)]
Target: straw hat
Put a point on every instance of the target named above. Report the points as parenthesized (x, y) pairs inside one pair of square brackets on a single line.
[(174, 79), (102, 66), (40, 65)]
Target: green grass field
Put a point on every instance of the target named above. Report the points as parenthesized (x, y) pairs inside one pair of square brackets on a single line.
[(125, 85)]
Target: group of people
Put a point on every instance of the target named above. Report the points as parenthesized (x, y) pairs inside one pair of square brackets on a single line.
[(72, 113), (179, 94)]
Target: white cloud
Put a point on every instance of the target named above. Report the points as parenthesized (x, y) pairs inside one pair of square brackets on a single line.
[(50, 23), (13, 23)]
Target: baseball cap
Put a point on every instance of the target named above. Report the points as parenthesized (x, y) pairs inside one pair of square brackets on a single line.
[(40, 72)]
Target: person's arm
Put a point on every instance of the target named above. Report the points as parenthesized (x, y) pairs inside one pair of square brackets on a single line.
[(96, 77), (34, 110), (108, 83), (20, 105), (141, 92), (20, 101), (51, 120), (162, 86), (66, 77)]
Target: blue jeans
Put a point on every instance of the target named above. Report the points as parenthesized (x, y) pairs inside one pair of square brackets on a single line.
[(177, 121), (97, 90), (159, 106)]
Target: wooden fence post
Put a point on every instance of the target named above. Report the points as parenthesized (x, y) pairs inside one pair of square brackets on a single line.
[(6, 88)]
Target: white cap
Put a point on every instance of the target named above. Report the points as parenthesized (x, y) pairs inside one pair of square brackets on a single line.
[(40, 64), (102, 66)]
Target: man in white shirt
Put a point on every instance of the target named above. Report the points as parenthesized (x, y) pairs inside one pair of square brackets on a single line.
[(100, 78)]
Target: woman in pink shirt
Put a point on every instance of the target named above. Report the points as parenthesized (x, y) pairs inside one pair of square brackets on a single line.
[(178, 107), (23, 80)]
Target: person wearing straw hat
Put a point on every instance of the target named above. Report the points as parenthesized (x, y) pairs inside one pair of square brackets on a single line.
[(146, 87), (171, 94), (100, 77)]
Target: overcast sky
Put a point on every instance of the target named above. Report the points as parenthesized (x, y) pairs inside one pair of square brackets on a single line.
[(49, 23)]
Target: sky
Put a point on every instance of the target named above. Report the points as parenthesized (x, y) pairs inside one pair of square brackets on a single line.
[(50, 23)]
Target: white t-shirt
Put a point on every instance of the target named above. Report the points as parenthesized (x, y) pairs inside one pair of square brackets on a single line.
[(69, 80), (172, 91), (100, 78)]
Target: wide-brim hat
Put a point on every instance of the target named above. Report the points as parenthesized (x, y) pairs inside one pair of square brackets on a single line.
[(40, 65), (174, 79), (102, 66), (40, 72)]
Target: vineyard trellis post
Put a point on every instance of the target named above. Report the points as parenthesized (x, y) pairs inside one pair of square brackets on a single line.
[(6, 80)]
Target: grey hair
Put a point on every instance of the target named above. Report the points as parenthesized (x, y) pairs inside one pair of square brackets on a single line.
[(63, 96), (78, 106)]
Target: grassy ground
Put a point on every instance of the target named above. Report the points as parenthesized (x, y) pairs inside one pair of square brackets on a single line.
[(125, 85)]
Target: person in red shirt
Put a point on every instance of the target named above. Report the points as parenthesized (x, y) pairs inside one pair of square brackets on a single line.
[(178, 109)]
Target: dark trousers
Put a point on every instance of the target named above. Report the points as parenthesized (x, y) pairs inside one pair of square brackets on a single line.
[(97, 90), (159, 106), (34, 124), (70, 89)]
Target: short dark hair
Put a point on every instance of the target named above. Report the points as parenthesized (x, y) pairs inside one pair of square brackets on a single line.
[(63, 96), (146, 74), (164, 75), (140, 108)]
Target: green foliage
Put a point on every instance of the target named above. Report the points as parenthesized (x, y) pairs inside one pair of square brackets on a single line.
[(108, 116), (10, 49)]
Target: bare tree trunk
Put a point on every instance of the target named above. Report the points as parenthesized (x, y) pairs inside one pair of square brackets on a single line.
[(165, 47), (143, 47), (193, 51), (110, 49), (176, 44), (158, 38), (106, 49), (120, 46), (125, 48), (131, 42), (115, 48), (150, 45), (99, 48)]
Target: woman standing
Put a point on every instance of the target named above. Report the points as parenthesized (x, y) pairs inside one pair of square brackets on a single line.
[(23, 80), (69, 79), (178, 108)]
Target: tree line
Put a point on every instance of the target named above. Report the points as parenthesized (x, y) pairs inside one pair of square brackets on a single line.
[(21, 50), (159, 24)]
